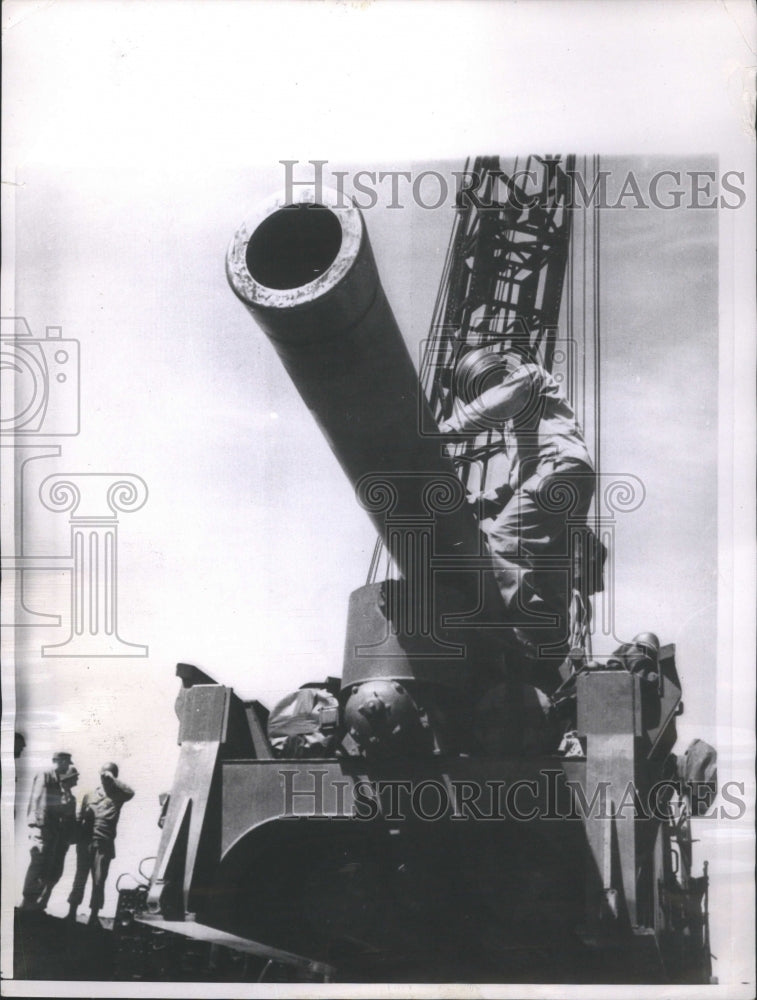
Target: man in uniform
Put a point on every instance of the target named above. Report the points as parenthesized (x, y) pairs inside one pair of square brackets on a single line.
[(50, 815), (550, 482), (95, 848)]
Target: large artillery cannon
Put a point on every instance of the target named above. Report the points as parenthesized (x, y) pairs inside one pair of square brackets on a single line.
[(411, 853)]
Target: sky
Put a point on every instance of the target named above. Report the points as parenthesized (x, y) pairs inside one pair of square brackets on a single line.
[(243, 556)]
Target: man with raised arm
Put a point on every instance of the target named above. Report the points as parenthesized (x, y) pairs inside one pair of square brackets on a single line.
[(550, 481), (97, 822)]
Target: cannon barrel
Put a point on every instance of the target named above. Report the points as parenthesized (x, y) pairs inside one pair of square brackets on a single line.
[(306, 273)]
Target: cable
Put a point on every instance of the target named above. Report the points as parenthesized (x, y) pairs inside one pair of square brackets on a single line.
[(597, 356), (152, 857), (264, 973), (135, 880)]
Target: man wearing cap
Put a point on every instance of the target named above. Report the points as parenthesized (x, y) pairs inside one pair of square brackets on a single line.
[(97, 822), (50, 815), (550, 480)]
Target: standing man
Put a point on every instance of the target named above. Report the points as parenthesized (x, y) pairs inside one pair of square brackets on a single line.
[(50, 815), (550, 481), (97, 823)]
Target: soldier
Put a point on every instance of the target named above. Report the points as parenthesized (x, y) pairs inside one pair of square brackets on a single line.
[(550, 479), (95, 848), (50, 815)]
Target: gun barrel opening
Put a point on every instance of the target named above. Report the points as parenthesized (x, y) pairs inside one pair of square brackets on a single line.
[(294, 246)]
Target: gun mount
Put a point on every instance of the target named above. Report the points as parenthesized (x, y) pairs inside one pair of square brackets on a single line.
[(426, 863)]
